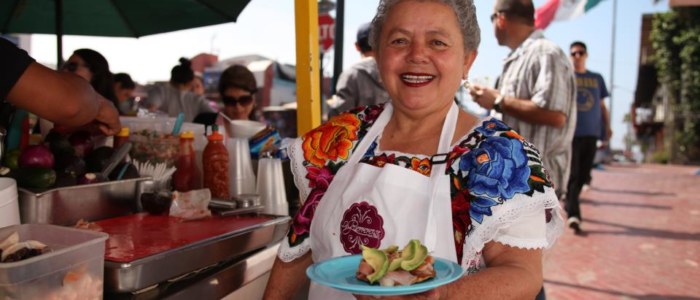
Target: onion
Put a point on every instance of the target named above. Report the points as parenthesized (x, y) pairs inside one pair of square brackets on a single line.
[(81, 142), (38, 156)]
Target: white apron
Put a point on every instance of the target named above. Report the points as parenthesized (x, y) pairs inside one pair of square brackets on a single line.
[(383, 206)]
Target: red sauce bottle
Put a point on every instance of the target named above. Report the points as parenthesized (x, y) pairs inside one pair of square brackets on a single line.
[(121, 137), (186, 177), (215, 165)]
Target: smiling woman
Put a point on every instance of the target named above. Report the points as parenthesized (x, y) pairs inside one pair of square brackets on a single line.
[(472, 190)]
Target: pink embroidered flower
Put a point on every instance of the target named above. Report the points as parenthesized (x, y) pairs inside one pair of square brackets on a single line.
[(302, 221), (319, 178)]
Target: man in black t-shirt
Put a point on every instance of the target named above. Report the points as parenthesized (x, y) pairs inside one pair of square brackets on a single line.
[(60, 97)]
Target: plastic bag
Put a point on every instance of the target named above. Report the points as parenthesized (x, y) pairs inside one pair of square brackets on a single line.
[(191, 205)]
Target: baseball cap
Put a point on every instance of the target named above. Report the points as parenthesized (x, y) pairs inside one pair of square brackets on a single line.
[(363, 37)]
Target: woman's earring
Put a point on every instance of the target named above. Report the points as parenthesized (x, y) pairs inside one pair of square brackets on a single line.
[(466, 84)]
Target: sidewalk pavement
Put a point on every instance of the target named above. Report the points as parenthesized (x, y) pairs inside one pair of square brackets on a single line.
[(642, 237)]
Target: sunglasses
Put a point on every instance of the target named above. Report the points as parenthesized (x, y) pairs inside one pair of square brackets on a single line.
[(578, 53), (242, 100), (494, 16)]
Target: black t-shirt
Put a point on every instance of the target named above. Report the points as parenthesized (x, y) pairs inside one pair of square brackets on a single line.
[(13, 62)]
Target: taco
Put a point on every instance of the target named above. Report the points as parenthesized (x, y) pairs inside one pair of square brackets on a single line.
[(391, 266)]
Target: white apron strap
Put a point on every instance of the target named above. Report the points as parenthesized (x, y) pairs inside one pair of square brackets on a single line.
[(438, 170)]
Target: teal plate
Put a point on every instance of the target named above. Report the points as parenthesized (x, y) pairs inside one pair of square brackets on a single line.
[(339, 273)]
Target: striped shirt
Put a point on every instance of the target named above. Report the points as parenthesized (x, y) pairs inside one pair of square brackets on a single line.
[(540, 71)]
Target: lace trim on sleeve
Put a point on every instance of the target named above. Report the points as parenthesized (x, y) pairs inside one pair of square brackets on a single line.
[(508, 214), (296, 156), (288, 254)]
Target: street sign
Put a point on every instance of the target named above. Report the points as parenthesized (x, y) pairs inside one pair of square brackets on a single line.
[(326, 32)]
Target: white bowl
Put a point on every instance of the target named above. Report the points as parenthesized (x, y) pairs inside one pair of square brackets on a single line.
[(244, 128)]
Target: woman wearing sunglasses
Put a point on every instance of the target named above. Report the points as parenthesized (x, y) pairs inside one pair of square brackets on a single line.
[(237, 87), (92, 66)]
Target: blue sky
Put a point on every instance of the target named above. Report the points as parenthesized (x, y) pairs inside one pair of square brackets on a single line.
[(266, 27)]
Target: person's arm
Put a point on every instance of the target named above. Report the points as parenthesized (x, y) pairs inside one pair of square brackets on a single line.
[(63, 98), (287, 277), (523, 109), (606, 120), (510, 273), (204, 106)]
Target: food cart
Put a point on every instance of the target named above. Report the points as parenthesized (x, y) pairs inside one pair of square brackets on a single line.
[(212, 258)]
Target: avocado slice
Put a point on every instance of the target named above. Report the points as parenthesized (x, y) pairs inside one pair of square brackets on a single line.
[(413, 255), (378, 260)]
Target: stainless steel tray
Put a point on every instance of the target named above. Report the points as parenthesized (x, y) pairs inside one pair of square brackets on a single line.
[(154, 269), (66, 205)]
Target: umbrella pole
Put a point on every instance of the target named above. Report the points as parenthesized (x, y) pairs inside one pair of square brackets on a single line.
[(59, 33)]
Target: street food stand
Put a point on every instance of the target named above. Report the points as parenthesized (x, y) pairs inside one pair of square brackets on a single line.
[(158, 257)]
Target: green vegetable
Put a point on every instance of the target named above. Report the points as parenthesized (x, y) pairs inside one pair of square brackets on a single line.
[(11, 159), (378, 260), (37, 178), (413, 255)]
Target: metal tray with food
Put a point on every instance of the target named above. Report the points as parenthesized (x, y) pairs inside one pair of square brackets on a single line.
[(96, 201), (144, 250)]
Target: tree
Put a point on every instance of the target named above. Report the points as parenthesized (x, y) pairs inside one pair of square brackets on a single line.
[(675, 38)]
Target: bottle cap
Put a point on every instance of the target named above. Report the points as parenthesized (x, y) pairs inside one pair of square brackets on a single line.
[(215, 134), (123, 132), (187, 134)]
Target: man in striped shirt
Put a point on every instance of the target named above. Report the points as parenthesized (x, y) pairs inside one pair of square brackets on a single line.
[(536, 93)]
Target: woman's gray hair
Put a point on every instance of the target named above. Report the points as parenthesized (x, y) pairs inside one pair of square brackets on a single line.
[(464, 10)]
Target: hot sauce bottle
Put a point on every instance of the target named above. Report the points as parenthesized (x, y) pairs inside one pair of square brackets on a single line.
[(186, 177), (121, 137), (215, 165)]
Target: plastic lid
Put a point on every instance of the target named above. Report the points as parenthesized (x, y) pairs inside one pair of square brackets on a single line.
[(123, 132), (188, 134)]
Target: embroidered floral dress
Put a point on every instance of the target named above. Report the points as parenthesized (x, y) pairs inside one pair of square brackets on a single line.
[(499, 189)]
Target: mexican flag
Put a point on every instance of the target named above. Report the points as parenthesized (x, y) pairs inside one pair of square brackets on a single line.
[(561, 10)]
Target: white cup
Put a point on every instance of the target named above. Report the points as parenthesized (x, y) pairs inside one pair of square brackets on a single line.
[(9, 206), (271, 187)]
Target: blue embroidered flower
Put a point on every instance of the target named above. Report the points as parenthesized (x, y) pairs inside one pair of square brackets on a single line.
[(497, 168), (489, 127), (481, 206), (370, 150)]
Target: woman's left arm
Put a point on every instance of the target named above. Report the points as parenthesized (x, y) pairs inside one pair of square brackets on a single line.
[(510, 273)]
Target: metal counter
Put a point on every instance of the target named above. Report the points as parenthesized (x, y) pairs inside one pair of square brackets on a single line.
[(139, 275), (66, 205)]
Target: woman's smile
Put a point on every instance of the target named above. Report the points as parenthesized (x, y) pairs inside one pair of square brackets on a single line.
[(416, 79)]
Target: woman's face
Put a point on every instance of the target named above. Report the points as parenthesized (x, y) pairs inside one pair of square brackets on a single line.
[(238, 103), (421, 55), (198, 86), (77, 66)]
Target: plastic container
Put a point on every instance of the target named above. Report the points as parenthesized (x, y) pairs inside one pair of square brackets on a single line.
[(152, 139), (73, 269), (9, 205)]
